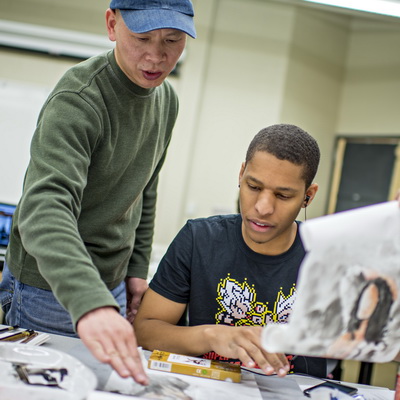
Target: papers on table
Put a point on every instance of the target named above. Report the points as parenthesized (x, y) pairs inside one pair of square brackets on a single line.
[(37, 372), (24, 336), (167, 385)]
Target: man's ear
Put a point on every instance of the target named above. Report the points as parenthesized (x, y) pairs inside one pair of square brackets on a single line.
[(111, 20)]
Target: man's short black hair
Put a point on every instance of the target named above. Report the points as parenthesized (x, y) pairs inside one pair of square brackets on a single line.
[(290, 143)]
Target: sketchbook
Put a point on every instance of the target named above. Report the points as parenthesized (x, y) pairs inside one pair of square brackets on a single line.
[(347, 304)]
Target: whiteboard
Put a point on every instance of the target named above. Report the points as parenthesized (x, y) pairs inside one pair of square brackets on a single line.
[(20, 104)]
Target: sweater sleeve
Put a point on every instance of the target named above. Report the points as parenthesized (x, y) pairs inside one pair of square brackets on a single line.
[(61, 149)]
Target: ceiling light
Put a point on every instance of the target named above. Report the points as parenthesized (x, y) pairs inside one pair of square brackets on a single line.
[(384, 7), (52, 40)]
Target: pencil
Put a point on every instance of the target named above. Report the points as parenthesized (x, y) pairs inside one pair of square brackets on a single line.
[(29, 338), (10, 328), (17, 336)]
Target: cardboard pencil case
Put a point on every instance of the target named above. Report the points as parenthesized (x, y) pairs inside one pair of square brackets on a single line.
[(194, 366)]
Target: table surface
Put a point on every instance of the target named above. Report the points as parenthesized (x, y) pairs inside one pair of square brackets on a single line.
[(271, 387)]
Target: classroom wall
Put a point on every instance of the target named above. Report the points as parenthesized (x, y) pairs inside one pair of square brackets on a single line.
[(25, 81), (371, 89), (241, 92), (254, 63), (314, 83)]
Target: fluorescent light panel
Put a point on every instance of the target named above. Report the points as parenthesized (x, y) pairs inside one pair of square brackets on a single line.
[(56, 41), (384, 7), (51, 40)]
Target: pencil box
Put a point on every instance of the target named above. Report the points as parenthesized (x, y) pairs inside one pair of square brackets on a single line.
[(194, 366)]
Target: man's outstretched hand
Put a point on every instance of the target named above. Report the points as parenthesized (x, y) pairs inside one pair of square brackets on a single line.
[(111, 339)]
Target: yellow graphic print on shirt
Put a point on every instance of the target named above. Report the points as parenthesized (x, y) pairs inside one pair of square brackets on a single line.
[(238, 305)]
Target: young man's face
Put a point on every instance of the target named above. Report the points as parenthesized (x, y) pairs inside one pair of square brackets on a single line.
[(272, 192), (146, 58)]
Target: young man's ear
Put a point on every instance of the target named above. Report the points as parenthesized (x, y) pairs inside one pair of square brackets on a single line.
[(242, 168), (310, 194)]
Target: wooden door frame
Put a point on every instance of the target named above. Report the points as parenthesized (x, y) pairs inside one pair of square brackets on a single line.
[(341, 144)]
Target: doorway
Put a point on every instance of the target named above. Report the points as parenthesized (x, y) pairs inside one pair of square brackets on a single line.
[(366, 172)]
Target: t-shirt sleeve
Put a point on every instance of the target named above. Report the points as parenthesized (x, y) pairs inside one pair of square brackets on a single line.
[(173, 276)]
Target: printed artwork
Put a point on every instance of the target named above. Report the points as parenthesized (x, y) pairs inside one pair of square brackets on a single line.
[(347, 303), (239, 306)]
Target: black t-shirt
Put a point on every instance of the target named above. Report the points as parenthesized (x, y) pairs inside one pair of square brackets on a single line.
[(209, 267)]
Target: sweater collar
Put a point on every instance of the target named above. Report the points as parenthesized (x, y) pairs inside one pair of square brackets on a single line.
[(126, 82)]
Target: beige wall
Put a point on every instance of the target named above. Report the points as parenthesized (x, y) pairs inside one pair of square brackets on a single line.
[(255, 63), (314, 82), (371, 90), (241, 92), (78, 15)]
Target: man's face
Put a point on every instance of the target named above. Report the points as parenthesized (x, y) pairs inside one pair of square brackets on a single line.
[(272, 193), (146, 58)]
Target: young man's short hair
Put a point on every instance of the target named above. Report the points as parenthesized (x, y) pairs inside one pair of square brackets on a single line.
[(290, 143)]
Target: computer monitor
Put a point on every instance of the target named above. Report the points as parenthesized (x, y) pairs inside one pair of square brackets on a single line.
[(6, 214)]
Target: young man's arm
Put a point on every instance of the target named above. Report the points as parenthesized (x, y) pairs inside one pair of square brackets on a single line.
[(155, 327)]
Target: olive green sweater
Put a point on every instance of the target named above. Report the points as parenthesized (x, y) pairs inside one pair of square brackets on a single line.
[(85, 220)]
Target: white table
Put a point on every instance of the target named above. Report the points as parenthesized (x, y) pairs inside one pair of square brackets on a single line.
[(271, 387)]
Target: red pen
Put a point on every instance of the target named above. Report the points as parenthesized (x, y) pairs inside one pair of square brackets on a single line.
[(397, 392)]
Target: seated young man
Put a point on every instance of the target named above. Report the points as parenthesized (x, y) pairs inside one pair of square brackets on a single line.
[(237, 273)]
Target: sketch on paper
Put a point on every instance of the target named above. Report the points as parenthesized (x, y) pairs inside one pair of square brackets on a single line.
[(164, 387), (347, 303)]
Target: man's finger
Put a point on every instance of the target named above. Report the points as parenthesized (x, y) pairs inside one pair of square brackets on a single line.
[(128, 360), (98, 350)]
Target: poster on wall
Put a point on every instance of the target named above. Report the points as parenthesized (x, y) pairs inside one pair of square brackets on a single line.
[(347, 304), (20, 104)]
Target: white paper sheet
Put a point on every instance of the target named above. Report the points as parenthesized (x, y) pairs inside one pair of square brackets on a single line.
[(37, 340), (39, 373), (348, 289)]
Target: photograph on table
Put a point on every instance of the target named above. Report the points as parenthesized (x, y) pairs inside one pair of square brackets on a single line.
[(347, 304)]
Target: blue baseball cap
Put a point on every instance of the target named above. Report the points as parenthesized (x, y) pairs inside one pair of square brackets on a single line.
[(142, 16)]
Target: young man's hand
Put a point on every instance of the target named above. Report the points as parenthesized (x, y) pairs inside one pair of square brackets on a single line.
[(244, 343), (156, 327), (111, 339)]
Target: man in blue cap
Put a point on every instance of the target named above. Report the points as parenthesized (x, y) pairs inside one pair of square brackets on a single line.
[(82, 233)]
